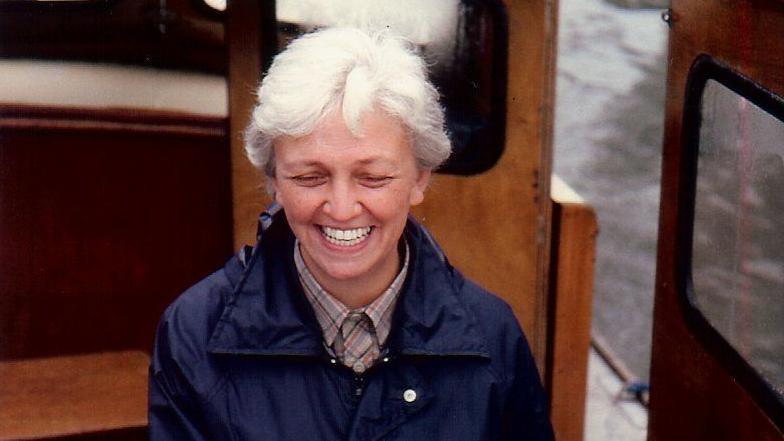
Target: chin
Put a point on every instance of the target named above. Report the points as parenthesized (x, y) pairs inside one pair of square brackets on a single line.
[(345, 274)]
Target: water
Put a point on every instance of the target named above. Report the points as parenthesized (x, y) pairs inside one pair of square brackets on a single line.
[(608, 129)]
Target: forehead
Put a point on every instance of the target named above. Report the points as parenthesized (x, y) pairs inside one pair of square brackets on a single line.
[(382, 138)]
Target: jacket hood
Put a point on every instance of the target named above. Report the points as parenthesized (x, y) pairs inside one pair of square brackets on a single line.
[(268, 314)]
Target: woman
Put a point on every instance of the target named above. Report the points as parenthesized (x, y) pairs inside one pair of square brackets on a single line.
[(345, 321)]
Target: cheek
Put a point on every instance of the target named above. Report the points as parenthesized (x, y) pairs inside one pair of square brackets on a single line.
[(392, 206), (299, 205)]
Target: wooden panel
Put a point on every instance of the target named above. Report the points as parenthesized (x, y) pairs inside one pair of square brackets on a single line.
[(573, 255), (73, 397), (244, 31), (494, 226), (105, 219), (693, 396)]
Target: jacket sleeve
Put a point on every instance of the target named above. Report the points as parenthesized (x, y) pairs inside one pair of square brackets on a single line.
[(526, 416), (173, 412)]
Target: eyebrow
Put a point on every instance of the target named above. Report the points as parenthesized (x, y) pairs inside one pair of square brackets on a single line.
[(316, 163), (378, 159), (305, 163)]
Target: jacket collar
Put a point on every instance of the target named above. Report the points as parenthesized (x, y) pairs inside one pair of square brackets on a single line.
[(267, 314)]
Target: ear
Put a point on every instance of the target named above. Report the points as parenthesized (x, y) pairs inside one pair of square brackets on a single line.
[(420, 185)]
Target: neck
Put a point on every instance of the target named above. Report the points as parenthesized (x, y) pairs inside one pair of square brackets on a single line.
[(360, 291), (356, 295)]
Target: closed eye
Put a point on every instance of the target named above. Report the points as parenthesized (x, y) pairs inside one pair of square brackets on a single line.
[(309, 180), (374, 181)]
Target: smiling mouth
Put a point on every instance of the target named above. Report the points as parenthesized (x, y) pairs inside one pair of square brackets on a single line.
[(345, 238)]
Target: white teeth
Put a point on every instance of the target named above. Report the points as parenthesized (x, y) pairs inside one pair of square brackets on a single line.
[(345, 237)]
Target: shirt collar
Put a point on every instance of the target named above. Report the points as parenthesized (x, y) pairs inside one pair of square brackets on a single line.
[(260, 316), (330, 312)]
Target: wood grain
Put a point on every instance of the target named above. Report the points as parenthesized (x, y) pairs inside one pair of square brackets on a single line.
[(102, 393), (103, 224), (575, 229), (494, 226), (693, 396), (243, 38)]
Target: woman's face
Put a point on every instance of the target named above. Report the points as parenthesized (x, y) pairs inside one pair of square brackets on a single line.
[(347, 198)]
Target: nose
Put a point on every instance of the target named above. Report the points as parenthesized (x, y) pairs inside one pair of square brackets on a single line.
[(342, 203)]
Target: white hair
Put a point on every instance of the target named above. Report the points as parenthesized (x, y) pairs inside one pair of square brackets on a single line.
[(357, 71)]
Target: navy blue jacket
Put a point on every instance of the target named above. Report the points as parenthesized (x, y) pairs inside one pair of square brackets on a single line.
[(239, 356)]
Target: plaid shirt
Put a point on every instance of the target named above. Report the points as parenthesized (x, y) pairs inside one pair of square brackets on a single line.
[(331, 313)]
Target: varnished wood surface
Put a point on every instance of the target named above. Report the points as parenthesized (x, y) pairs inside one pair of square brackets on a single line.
[(494, 226), (693, 397), (244, 32), (103, 226), (33, 117), (575, 229), (100, 394)]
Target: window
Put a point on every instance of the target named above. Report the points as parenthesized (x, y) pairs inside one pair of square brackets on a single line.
[(735, 284), (464, 41), (738, 241)]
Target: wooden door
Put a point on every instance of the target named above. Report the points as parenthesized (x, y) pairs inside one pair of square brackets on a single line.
[(495, 224), (718, 349)]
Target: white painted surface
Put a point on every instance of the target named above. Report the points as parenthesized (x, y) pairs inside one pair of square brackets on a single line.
[(607, 417), (95, 85)]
